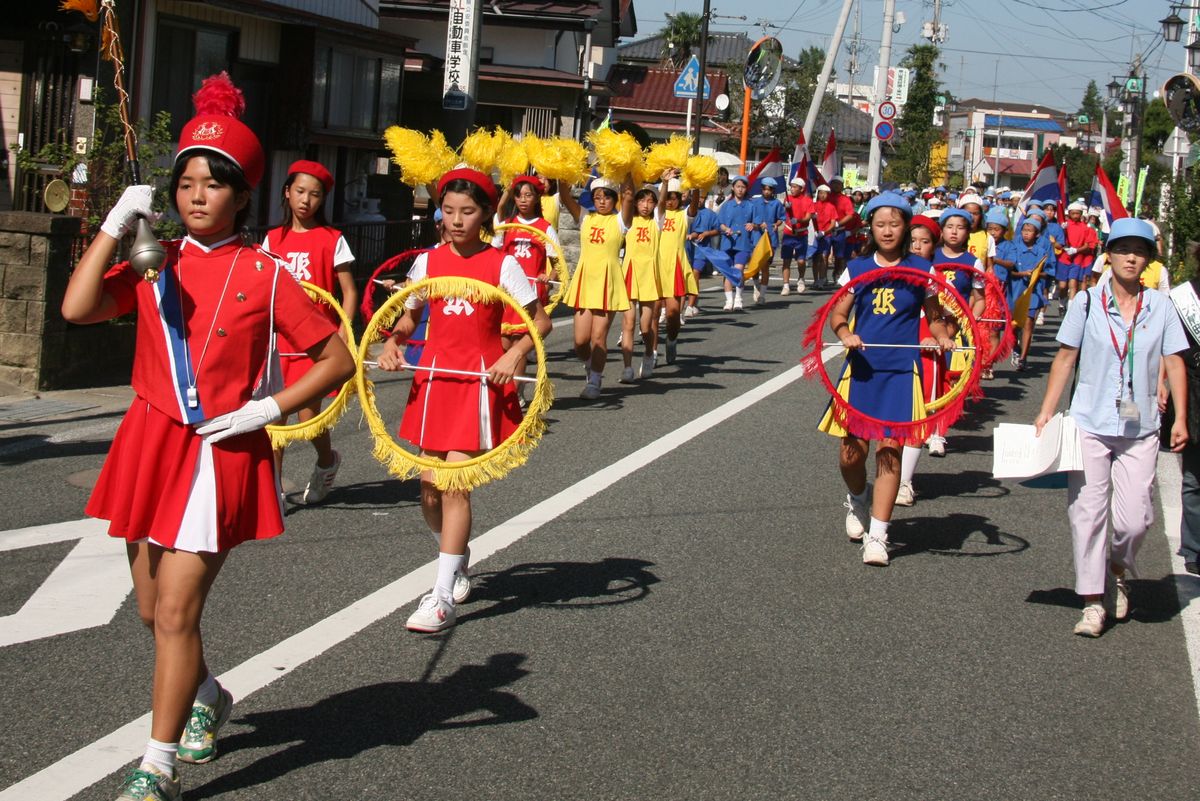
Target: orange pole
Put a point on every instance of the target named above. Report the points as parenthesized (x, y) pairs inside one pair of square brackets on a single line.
[(745, 128)]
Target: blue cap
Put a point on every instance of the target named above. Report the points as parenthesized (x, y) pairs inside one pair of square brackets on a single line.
[(910, 193), (1034, 211), (1005, 195), (437, 215), (769, 181), (1036, 222), (996, 217), (741, 178), (966, 215), (952, 196), (940, 188), (1130, 227), (888, 200)]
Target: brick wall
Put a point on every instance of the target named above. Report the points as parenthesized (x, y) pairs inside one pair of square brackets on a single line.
[(38, 349)]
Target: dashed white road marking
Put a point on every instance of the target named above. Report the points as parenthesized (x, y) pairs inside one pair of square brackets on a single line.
[(1186, 585)]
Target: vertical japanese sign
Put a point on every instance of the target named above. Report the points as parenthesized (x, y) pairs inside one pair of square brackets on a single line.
[(462, 48)]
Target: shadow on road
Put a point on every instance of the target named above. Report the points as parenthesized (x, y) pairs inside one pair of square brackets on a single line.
[(394, 713), (965, 483), (1150, 600), (952, 535), (560, 585)]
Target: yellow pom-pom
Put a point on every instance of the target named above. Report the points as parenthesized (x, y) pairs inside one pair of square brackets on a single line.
[(699, 172), (441, 154), (618, 155), (511, 159), (480, 150), (411, 153), (558, 159), (672, 154)]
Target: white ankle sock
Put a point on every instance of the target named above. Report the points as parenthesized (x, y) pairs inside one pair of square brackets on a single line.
[(908, 463), (161, 755), (729, 296), (879, 529), (448, 565), (737, 293), (209, 692)]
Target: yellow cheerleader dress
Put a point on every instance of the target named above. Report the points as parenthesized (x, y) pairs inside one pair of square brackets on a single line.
[(597, 282), (641, 254), (675, 276)]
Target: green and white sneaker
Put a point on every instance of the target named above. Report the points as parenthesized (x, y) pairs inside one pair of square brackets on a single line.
[(199, 741), (148, 783)]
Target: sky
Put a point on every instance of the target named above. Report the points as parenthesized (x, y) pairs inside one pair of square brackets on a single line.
[(1042, 52)]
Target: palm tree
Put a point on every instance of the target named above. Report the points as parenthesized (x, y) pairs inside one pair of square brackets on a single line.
[(680, 34)]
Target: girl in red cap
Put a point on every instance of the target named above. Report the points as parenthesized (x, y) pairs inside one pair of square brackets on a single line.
[(522, 203), (318, 254), (453, 417), (190, 473)]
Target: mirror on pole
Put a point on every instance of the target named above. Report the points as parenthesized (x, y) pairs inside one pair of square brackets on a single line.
[(764, 63)]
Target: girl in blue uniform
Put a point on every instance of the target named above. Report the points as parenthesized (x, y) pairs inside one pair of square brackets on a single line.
[(883, 383), (734, 221), (1030, 251), (767, 214), (701, 231)]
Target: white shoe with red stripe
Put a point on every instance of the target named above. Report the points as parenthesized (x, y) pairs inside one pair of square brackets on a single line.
[(433, 614)]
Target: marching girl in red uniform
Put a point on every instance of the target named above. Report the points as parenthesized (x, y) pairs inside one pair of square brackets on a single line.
[(318, 254), (455, 417), (190, 473), (527, 249)]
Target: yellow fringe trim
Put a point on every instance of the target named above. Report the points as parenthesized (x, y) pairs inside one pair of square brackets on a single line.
[(558, 263), (968, 333), (327, 418), (618, 155), (671, 154), (699, 172), (466, 475)]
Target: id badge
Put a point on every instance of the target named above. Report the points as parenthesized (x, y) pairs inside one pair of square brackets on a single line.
[(1129, 410)]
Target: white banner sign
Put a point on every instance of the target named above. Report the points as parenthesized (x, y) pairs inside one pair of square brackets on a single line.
[(462, 43)]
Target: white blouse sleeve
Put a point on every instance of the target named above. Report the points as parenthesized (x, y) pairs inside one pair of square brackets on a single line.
[(341, 252), (420, 267), (515, 282)]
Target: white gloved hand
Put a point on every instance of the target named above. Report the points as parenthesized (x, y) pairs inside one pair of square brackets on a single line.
[(254, 415), (1072, 251), (135, 202)]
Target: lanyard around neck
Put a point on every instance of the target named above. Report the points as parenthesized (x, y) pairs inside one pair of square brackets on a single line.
[(1123, 355)]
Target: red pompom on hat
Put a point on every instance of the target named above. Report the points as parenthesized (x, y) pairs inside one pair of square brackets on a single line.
[(315, 169), (532, 180), (928, 222), (216, 127), (473, 176)]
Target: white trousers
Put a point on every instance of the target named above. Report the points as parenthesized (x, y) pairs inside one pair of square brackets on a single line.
[(1127, 466)]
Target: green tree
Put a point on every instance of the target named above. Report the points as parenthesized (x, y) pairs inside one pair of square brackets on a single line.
[(1081, 168), (681, 33), (1156, 125), (1091, 107), (913, 152)]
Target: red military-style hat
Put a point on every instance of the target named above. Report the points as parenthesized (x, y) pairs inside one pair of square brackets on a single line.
[(216, 126), (315, 169), (930, 223), (473, 176), (532, 180)]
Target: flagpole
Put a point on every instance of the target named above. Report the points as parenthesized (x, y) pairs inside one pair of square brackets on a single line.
[(823, 80), (875, 161)]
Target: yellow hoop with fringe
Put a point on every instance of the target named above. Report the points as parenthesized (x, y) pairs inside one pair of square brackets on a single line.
[(466, 475), (966, 329), (558, 264), (327, 418)]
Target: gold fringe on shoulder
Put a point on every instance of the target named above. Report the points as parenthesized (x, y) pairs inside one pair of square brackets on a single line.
[(466, 475)]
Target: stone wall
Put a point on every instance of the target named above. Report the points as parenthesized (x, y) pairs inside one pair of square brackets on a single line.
[(38, 349)]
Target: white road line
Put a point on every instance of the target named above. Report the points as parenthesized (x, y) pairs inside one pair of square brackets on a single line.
[(95, 761), (1186, 585), (96, 430), (18, 538)]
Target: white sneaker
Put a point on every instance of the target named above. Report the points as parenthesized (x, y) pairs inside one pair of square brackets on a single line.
[(433, 614), (937, 446), (787, 290), (737, 304), (857, 518), (647, 369), (757, 294), (1092, 622), (875, 552), (760, 298), (627, 376), (462, 587), (1120, 598), (662, 317), (801, 287), (691, 311), (321, 481), (672, 350), (905, 495), (729, 306), (1041, 318)]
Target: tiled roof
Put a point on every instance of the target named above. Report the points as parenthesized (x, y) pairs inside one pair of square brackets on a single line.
[(1022, 123), (1003, 105), (634, 86), (723, 48), (851, 124)]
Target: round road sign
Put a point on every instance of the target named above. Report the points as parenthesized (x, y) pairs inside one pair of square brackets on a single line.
[(887, 109), (885, 130)]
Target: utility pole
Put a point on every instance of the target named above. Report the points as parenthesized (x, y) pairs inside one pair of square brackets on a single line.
[(853, 48), (702, 57), (999, 128), (835, 44), (935, 31), (874, 164)]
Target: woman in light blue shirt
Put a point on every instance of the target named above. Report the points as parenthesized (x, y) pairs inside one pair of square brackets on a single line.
[(1127, 332)]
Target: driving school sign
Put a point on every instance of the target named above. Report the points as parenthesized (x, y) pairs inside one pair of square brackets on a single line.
[(462, 43)]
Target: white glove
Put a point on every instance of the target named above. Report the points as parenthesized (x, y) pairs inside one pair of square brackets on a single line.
[(1072, 251), (254, 415), (135, 202)]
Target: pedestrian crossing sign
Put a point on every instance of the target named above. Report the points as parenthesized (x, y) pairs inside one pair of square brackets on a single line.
[(685, 84)]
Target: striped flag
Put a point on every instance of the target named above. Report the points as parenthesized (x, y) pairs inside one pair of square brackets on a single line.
[(1104, 196), (831, 165), (1044, 185), (771, 165)]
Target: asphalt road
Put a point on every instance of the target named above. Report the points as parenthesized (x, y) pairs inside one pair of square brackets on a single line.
[(670, 610)]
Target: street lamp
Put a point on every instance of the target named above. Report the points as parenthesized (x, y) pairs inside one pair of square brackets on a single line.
[(1114, 89), (1172, 26), (1193, 54)]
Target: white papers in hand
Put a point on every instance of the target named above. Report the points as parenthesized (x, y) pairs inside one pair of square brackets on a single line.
[(1019, 453)]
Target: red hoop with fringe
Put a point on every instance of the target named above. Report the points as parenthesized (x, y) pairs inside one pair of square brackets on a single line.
[(367, 307), (995, 307), (865, 426)]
